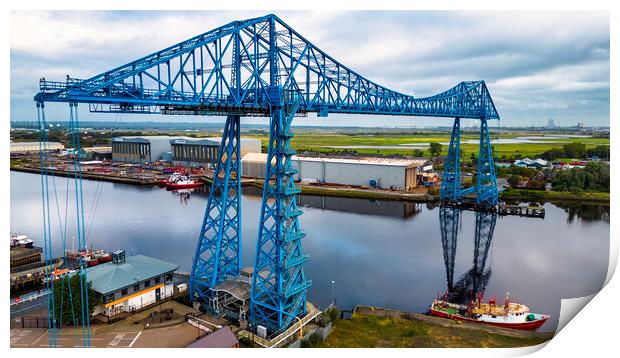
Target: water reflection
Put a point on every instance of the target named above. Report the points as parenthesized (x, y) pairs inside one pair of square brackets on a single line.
[(475, 280), (393, 209), (587, 213)]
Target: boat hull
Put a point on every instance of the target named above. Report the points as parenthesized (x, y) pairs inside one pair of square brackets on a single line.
[(526, 326), (183, 186)]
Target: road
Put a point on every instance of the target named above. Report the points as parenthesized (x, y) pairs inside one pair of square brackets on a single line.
[(28, 303)]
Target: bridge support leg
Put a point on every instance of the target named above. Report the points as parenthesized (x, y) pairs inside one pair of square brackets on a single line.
[(451, 182), (218, 252), (279, 284), (486, 181)]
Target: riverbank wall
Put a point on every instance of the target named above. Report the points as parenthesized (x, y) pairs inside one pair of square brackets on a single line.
[(359, 193)]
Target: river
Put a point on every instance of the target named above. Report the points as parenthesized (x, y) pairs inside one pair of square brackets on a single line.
[(380, 253)]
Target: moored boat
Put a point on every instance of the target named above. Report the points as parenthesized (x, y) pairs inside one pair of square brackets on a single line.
[(90, 257), (510, 315), (184, 182), (19, 240)]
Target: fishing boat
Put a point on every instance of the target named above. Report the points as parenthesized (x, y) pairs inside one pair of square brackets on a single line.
[(509, 315), (91, 257)]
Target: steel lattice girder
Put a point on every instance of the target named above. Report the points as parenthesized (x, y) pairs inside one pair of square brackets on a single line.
[(279, 284), (451, 180), (218, 254), (486, 180), (231, 67)]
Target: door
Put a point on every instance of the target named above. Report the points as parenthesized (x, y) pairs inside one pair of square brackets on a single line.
[(157, 294)]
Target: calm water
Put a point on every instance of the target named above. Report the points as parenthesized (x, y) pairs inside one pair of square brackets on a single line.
[(387, 254)]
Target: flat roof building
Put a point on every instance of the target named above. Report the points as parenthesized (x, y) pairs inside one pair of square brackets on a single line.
[(130, 283), (185, 151), (34, 147), (203, 152), (136, 149), (400, 174)]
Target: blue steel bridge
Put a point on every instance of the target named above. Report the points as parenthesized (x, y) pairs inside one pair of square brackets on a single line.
[(263, 67)]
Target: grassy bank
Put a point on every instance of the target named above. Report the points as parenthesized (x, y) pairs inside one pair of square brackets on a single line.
[(323, 142), (367, 330), (550, 195)]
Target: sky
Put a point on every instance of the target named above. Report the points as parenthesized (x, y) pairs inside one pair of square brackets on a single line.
[(537, 65)]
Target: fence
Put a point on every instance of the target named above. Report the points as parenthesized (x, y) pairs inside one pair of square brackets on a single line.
[(34, 322)]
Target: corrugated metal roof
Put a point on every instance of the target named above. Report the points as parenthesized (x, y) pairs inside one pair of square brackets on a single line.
[(110, 277), (408, 163), (195, 141)]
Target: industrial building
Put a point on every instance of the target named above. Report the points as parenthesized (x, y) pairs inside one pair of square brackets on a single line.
[(204, 152), (96, 153), (185, 151), (397, 174), (139, 149), (127, 284), (34, 147)]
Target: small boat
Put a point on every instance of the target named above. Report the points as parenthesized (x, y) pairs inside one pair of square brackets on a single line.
[(184, 182), (102, 256), (509, 315), (21, 241), (90, 257), (173, 178)]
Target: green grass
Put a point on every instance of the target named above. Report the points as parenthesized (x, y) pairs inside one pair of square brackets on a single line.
[(374, 331), (322, 141)]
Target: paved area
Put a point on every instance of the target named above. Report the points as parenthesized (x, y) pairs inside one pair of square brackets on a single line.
[(171, 337), (39, 338)]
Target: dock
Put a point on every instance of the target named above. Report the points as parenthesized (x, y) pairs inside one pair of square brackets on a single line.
[(530, 211), (521, 210)]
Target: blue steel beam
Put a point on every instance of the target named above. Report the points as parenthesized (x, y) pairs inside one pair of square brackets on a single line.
[(451, 181), (218, 254), (196, 75), (279, 284), (486, 180)]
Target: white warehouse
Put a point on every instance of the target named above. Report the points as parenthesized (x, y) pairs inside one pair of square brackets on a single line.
[(400, 174)]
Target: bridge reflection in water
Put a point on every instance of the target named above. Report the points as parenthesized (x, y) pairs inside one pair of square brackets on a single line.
[(475, 280)]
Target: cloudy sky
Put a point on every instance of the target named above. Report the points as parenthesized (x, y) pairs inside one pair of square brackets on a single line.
[(537, 65)]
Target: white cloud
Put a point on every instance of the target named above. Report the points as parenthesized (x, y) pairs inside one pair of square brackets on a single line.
[(535, 63)]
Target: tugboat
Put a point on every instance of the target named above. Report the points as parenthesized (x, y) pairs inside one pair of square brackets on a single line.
[(174, 177), (510, 315), (184, 182)]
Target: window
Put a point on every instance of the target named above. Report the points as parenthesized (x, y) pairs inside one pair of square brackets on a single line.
[(124, 292), (108, 298), (147, 283), (136, 288), (169, 277), (157, 279)]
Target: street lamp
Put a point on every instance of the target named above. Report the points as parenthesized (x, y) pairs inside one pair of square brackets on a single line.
[(333, 295)]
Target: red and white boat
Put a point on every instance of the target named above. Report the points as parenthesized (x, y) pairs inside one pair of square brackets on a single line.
[(184, 182), (510, 315), (173, 178)]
